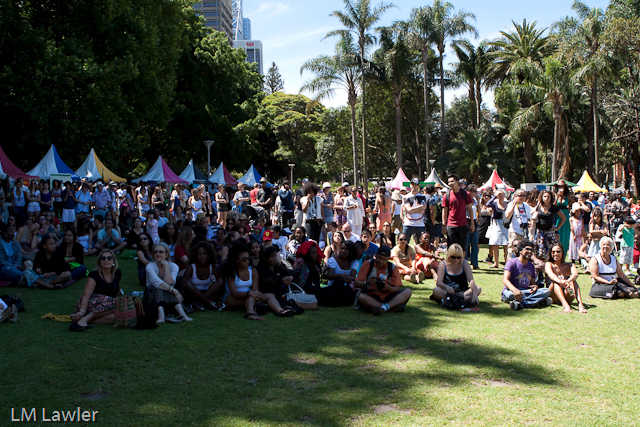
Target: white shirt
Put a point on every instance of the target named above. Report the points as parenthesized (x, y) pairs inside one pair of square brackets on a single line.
[(521, 215), (354, 216), (314, 210)]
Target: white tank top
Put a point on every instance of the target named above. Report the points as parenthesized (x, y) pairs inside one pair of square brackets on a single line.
[(607, 271), (197, 206), (244, 285), (398, 210), (203, 285)]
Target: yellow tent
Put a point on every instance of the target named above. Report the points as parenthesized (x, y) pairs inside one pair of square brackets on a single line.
[(586, 184), (93, 169)]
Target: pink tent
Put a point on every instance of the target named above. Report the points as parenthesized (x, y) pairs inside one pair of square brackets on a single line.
[(398, 180), (160, 172), (222, 176), (495, 182), (8, 168)]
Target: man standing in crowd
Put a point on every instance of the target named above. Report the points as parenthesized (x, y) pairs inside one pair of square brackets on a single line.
[(264, 196), (297, 197), (287, 206), (380, 284), (68, 205), (520, 213), (355, 211), (242, 196), (101, 200), (414, 207), (519, 279), (456, 207)]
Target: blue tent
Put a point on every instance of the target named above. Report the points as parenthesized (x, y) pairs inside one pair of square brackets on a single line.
[(52, 163), (251, 178)]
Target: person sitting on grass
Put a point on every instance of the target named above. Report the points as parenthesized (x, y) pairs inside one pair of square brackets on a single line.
[(307, 269), (609, 280), (404, 256), (242, 289), (73, 254), (49, 269), (202, 283), (100, 292), (10, 255), (380, 284), (519, 280), (275, 278), (427, 259), (108, 238), (341, 272), (161, 284), (455, 277), (562, 278), (144, 255)]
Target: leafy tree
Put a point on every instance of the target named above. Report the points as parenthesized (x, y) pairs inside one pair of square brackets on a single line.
[(477, 154), (358, 17), (340, 71), (446, 25), (273, 81), (518, 55)]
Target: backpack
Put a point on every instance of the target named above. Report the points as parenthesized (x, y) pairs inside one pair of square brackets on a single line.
[(390, 267)]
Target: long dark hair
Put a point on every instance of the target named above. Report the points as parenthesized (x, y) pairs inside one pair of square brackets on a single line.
[(231, 266), (211, 252), (149, 244), (351, 247)]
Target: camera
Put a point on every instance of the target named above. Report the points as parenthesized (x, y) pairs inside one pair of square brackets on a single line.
[(379, 284)]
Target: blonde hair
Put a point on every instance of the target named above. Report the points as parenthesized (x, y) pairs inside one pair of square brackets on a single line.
[(114, 267), (165, 247), (455, 250)]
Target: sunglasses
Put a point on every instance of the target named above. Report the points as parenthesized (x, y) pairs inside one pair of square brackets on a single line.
[(402, 239), (244, 258), (106, 258), (143, 239), (159, 252), (455, 257)]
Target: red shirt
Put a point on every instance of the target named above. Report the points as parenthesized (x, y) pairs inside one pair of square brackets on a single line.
[(457, 205), (253, 194)]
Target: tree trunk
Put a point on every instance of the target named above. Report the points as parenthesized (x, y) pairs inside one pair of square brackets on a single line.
[(635, 163), (594, 103), (472, 105), (525, 102), (364, 120), (556, 143), (442, 130), (566, 161), (478, 103), (588, 127), (417, 150), (426, 108), (354, 142), (397, 98)]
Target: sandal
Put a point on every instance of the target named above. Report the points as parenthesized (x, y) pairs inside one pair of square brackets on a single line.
[(253, 316), (285, 313), (76, 328)]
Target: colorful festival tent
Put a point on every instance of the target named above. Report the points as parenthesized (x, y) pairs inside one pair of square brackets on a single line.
[(434, 179), (93, 169), (222, 176), (398, 181), (192, 174), (586, 184), (495, 182), (160, 172), (251, 178), (51, 163), (8, 168)]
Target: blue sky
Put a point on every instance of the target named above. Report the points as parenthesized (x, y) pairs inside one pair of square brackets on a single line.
[(292, 31)]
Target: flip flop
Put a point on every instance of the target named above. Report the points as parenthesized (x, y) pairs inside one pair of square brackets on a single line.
[(286, 313), (250, 315)]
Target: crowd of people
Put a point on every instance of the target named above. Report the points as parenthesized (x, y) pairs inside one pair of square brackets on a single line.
[(213, 248)]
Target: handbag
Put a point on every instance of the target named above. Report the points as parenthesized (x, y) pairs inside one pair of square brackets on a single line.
[(303, 299), (124, 311)]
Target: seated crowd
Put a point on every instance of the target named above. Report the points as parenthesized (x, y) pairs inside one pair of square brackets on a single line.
[(245, 250)]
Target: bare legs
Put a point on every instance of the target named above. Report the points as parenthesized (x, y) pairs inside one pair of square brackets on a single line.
[(565, 296)]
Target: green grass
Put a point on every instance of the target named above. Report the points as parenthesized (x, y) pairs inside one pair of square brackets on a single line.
[(334, 367)]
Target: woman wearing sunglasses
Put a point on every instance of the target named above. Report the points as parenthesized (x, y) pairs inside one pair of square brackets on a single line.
[(455, 277), (100, 291), (161, 284)]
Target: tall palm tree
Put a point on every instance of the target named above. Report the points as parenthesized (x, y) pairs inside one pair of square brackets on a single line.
[(418, 33), (397, 63), (358, 17), (340, 71), (518, 55), (447, 25), (477, 154)]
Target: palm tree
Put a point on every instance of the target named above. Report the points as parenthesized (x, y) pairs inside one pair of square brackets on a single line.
[(359, 18), (446, 25), (340, 71), (418, 34), (396, 61), (518, 55), (477, 154)]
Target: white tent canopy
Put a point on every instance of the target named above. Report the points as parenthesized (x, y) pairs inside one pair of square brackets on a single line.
[(89, 169), (160, 172)]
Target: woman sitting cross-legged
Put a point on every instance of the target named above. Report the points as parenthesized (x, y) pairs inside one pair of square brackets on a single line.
[(73, 254), (100, 291), (341, 274), (275, 278), (201, 283), (609, 281), (562, 279), (242, 288), (404, 256), (161, 284), (455, 277), (49, 269)]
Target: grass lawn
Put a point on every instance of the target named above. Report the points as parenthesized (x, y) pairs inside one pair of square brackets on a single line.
[(425, 367)]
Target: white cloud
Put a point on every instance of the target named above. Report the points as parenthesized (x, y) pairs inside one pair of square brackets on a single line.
[(269, 10)]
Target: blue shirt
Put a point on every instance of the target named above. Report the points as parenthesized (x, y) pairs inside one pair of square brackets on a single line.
[(287, 200), (8, 248)]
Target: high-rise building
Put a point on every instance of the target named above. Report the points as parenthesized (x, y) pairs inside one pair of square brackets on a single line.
[(237, 20), (217, 15), (246, 24), (253, 49)]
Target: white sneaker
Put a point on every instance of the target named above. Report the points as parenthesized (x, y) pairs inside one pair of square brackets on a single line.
[(515, 305), (549, 301)]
